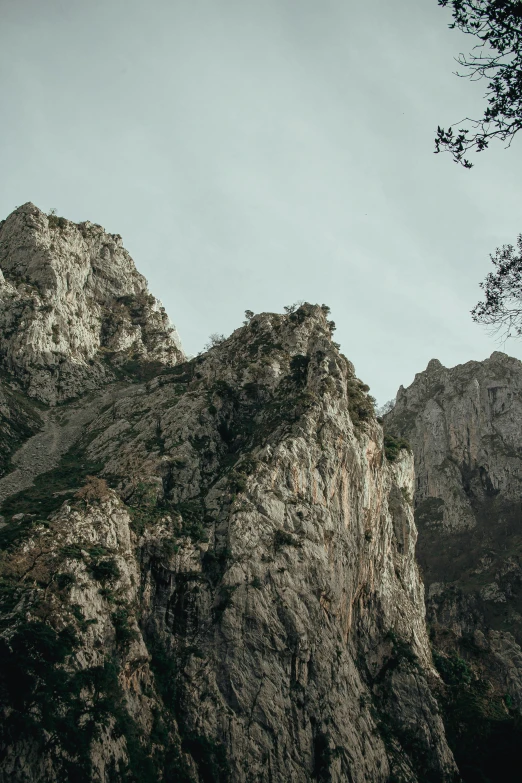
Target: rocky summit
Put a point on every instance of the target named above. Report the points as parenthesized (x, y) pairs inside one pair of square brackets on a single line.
[(464, 425), (208, 567), (73, 308)]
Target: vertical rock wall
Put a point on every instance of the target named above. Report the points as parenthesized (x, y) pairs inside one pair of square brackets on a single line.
[(464, 427)]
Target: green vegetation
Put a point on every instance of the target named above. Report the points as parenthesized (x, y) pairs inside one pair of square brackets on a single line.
[(407, 496), (361, 405), (104, 570), (101, 565), (193, 518), (282, 538), (124, 633), (72, 551), (483, 732), (141, 369), (143, 508), (324, 755), (14, 532), (64, 581), (237, 481), (299, 368), (393, 446), (55, 221), (224, 601), (44, 699), (214, 340), (238, 477), (61, 711), (402, 651), (496, 57), (136, 368), (47, 494)]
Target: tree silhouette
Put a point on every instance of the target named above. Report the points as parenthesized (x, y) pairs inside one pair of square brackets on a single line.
[(502, 305), (498, 58)]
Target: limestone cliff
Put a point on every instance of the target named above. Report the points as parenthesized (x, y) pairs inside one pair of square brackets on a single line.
[(464, 427), (73, 306), (211, 575)]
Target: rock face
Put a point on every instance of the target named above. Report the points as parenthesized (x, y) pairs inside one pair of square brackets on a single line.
[(214, 578), (73, 307), (464, 427)]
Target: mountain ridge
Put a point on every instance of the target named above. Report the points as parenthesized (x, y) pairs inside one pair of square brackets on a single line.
[(216, 577), (464, 426)]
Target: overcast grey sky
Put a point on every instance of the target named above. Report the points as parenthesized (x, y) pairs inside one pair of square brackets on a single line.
[(257, 152)]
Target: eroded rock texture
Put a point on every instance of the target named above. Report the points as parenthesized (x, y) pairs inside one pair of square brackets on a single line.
[(464, 425), (214, 579), (73, 307)]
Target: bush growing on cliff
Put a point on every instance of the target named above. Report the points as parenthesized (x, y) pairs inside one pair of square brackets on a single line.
[(44, 699), (104, 570), (48, 491), (125, 634), (94, 489), (360, 403), (289, 309), (55, 221), (213, 340), (299, 367), (393, 447), (282, 538)]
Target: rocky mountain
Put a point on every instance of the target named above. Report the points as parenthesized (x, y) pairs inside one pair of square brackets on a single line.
[(464, 425), (73, 308), (207, 567)]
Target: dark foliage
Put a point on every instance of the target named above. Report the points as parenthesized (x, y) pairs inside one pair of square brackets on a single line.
[(299, 367), (214, 564), (393, 446), (124, 633), (502, 305), (483, 733), (104, 570), (497, 24), (361, 405), (43, 698), (56, 222), (282, 538), (46, 494)]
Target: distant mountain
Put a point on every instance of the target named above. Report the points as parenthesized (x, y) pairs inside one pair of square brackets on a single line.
[(465, 428)]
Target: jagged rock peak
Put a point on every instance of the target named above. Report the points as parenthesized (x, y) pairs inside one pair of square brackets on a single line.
[(73, 307), (464, 424), (245, 581)]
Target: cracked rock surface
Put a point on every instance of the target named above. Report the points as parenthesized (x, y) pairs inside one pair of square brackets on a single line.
[(464, 425), (214, 576), (73, 307)]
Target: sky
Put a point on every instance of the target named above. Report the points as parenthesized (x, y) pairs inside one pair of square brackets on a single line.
[(253, 153)]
